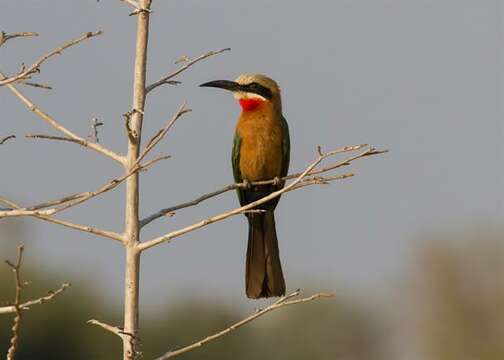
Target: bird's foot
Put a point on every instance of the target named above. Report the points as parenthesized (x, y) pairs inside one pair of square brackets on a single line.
[(246, 184), (276, 181)]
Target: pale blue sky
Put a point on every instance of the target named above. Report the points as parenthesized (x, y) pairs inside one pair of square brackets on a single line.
[(422, 78)]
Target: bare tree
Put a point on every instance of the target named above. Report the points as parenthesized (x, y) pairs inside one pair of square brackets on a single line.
[(133, 162), (18, 306)]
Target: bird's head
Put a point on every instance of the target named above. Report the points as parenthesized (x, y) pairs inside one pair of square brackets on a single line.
[(251, 90)]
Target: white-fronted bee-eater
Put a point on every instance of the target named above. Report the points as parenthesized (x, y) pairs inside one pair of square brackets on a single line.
[(261, 151)]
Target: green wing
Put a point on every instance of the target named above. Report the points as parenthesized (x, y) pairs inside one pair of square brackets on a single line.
[(285, 147), (235, 160)]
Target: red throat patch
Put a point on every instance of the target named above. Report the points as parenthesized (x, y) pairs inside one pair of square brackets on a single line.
[(250, 104)]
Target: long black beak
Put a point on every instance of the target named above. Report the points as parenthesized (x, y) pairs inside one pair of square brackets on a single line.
[(223, 84)]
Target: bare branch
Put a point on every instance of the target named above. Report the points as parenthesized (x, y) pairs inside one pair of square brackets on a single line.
[(161, 133), (51, 137), (16, 269), (2, 141), (131, 225), (113, 329), (76, 199), (168, 237), (282, 302), (231, 187), (35, 67), (84, 228), (52, 122), (168, 78), (17, 307), (6, 37), (41, 300)]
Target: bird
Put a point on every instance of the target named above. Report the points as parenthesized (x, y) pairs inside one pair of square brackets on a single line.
[(261, 151)]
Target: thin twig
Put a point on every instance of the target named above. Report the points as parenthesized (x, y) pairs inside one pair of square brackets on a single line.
[(36, 85), (168, 237), (16, 269), (17, 307), (235, 186), (5, 37), (58, 138), (111, 328), (76, 199), (85, 228), (282, 302), (52, 122), (2, 141), (41, 300), (161, 133), (35, 67), (166, 79)]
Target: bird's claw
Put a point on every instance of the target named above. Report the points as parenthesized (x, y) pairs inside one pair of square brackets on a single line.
[(246, 184), (276, 181)]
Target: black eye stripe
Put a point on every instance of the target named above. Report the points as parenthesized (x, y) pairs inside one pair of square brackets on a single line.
[(259, 90)]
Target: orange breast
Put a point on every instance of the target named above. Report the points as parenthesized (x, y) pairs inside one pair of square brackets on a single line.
[(261, 144)]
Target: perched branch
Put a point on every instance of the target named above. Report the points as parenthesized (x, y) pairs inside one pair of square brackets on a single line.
[(76, 199), (166, 79), (168, 237), (26, 73), (161, 133), (2, 141), (5, 37), (231, 187), (41, 300), (282, 302)]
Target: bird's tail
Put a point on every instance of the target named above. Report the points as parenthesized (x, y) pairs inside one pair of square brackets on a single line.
[(263, 273)]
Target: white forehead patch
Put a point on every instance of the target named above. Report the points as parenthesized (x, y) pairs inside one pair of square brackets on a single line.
[(247, 95)]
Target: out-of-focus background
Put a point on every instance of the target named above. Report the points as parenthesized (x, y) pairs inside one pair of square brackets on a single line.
[(411, 246)]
